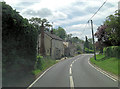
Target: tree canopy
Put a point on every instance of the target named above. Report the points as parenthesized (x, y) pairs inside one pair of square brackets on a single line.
[(37, 22), (61, 32), (19, 40), (108, 33), (88, 45)]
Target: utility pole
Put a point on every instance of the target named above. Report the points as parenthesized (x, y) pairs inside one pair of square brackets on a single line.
[(93, 39)]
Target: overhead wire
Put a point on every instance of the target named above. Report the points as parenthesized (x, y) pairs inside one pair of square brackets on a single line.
[(97, 10), (93, 16)]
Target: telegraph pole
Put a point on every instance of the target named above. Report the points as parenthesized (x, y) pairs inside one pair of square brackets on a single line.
[(93, 39)]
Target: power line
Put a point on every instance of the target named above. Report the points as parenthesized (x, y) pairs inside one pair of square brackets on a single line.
[(97, 10), (84, 29), (92, 17)]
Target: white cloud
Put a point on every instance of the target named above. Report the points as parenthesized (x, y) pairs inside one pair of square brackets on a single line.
[(52, 4), (59, 15), (67, 13), (81, 30), (74, 19), (43, 12)]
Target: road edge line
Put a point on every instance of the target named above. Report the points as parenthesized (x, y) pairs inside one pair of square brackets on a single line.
[(102, 71), (40, 76)]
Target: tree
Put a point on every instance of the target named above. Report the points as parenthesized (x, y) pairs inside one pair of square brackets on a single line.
[(54, 31), (75, 39), (113, 29), (18, 39), (101, 34), (79, 49), (68, 37), (40, 25), (37, 22), (48, 26), (90, 43), (61, 32), (86, 44), (108, 33)]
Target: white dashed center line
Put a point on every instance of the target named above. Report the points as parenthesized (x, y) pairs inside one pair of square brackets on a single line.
[(71, 78), (71, 82), (70, 71)]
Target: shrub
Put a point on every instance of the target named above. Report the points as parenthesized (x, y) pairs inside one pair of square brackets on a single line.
[(79, 52), (88, 50), (19, 41), (112, 51), (39, 62)]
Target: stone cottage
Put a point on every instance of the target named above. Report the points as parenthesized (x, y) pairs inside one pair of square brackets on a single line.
[(53, 45), (69, 49)]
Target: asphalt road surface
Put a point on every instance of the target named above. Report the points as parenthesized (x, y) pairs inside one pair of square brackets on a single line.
[(74, 72)]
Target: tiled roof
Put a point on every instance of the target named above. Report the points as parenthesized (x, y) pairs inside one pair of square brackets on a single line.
[(53, 36)]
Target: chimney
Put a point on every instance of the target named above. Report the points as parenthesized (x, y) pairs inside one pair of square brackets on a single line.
[(42, 47), (51, 32)]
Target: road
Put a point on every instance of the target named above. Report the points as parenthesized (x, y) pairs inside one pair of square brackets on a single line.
[(74, 72)]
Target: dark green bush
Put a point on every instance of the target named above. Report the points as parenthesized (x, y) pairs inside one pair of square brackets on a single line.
[(19, 41), (88, 50), (79, 52), (112, 51), (39, 62)]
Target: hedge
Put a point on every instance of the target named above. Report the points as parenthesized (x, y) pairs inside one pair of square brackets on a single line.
[(112, 51), (88, 50)]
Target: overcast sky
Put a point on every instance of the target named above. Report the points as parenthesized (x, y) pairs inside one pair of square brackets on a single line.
[(72, 15)]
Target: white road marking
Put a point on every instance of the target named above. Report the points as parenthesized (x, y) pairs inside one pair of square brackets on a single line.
[(103, 72), (72, 62), (71, 78), (40, 77), (71, 82), (70, 71)]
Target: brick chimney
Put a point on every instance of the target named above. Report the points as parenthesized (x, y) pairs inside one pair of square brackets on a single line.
[(51, 32), (42, 46)]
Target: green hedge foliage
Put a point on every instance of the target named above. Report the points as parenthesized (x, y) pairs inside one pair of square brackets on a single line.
[(19, 41), (112, 51), (39, 62), (88, 50)]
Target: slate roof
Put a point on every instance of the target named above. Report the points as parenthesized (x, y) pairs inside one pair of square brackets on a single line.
[(53, 36)]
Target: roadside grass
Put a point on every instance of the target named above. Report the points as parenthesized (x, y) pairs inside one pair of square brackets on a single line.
[(109, 64), (45, 63)]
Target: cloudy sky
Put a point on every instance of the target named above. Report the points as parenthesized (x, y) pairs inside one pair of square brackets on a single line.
[(72, 15)]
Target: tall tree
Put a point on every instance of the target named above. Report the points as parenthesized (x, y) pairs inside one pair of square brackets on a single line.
[(68, 37), (90, 43), (61, 32), (108, 33), (18, 39), (86, 44), (41, 25)]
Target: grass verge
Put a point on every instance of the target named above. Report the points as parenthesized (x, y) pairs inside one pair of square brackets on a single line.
[(106, 63), (43, 64)]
